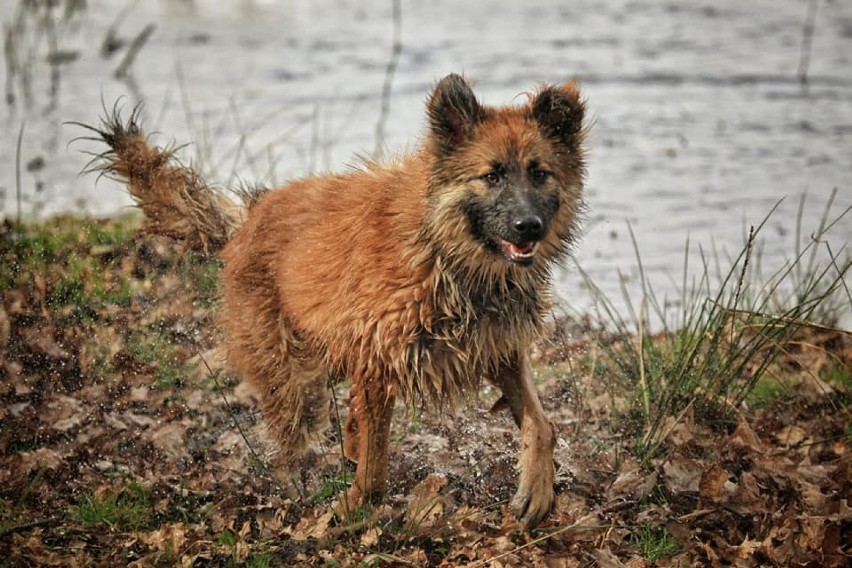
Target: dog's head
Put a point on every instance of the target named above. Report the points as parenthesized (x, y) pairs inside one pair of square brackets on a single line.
[(506, 182)]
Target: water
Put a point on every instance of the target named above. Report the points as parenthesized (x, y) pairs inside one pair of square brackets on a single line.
[(700, 123)]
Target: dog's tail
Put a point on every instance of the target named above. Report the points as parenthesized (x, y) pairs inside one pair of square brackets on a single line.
[(175, 200)]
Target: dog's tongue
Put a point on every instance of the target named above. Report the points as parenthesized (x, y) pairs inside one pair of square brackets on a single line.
[(523, 249), (518, 252)]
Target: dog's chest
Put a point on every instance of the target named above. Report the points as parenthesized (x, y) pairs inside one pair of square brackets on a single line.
[(473, 334)]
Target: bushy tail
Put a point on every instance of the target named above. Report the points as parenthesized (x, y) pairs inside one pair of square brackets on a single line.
[(175, 200)]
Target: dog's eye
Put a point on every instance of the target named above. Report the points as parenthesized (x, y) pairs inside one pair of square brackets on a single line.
[(538, 175), (491, 178)]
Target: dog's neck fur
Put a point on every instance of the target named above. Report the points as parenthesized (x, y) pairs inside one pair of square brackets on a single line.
[(475, 323)]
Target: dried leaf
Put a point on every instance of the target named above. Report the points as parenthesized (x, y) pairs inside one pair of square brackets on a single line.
[(5, 329), (167, 537), (370, 537), (713, 479), (791, 436), (682, 475), (427, 507), (744, 437), (606, 559), (170, 438), (311, 526)]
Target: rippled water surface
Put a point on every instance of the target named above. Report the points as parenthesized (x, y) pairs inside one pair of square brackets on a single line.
[(701, 124)]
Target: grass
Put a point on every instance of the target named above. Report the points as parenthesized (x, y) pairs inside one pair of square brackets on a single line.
[(128, 509), (207, 282), (709, 357), (766, 390), (70, 250), (656, 543), (155, 347), (839, 375), (329, 489)]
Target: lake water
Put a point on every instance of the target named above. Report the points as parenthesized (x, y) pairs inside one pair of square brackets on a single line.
[(701, 124)]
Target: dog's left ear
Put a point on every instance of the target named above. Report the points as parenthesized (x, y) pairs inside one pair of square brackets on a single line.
[(559, 111)]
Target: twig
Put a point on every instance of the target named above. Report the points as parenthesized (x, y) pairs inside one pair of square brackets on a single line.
[(396, 50), (314, 149), (741, 281), (121, 72), (9, 54), (52, 55), (807, 445), (807, 42), (244, 436), (782, 319), (18, 169), (646, 396), (535, 542), (112, 42), (26, 526)]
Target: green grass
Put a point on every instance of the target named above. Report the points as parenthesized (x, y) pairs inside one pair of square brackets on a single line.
[(206, 278), (187, 507), (263, 560), (655, 543), (329, 489), (229, 540), (83, 287), (155, 347), (766, 390), (839, 375), (730, 328), (43, 244), (128, 509), (62, 251)]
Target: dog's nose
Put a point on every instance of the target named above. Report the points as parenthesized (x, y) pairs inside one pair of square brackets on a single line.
[(529, 227)]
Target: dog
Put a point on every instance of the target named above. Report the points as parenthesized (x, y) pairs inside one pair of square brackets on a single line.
[(417, 278)]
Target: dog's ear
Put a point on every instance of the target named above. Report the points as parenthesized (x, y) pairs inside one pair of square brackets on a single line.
[(559, 111), (453, 113)]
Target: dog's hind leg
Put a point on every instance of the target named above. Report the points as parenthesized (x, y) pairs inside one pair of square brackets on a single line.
[(535, 495), (295, 404), (366, 437)]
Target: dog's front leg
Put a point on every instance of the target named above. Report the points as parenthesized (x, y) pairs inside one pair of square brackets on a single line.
[(366, 436), (535, 495)]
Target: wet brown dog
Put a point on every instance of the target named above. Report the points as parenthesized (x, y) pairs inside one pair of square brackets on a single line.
[(415, 278)]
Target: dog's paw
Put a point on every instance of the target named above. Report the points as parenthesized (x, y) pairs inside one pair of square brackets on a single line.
[(348, 503), (534, 498)]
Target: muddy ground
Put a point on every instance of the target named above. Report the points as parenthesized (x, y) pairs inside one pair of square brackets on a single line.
[(124, 441)]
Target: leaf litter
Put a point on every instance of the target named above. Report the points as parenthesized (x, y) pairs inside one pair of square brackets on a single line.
[(124, 441)]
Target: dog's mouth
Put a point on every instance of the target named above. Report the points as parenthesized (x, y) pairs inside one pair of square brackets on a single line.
[(522, 253)]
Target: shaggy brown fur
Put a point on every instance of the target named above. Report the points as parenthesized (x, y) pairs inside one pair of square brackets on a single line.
[(415, 279)]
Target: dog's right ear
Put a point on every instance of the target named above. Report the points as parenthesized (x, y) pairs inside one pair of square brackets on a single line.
[(453, 113)]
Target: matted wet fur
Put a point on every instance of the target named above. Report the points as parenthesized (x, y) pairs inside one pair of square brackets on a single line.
[(416, 278)]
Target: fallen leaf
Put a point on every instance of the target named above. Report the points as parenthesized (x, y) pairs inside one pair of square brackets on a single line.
[(791, 436), (370, 537), (63, 413), (167, 537), (606, 559), (310, 526), (747, 548), (712, 481), (170, 438), (744, 437), (745, 497), (427, 507), (682, 475), (5, 329), (634, 484)]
